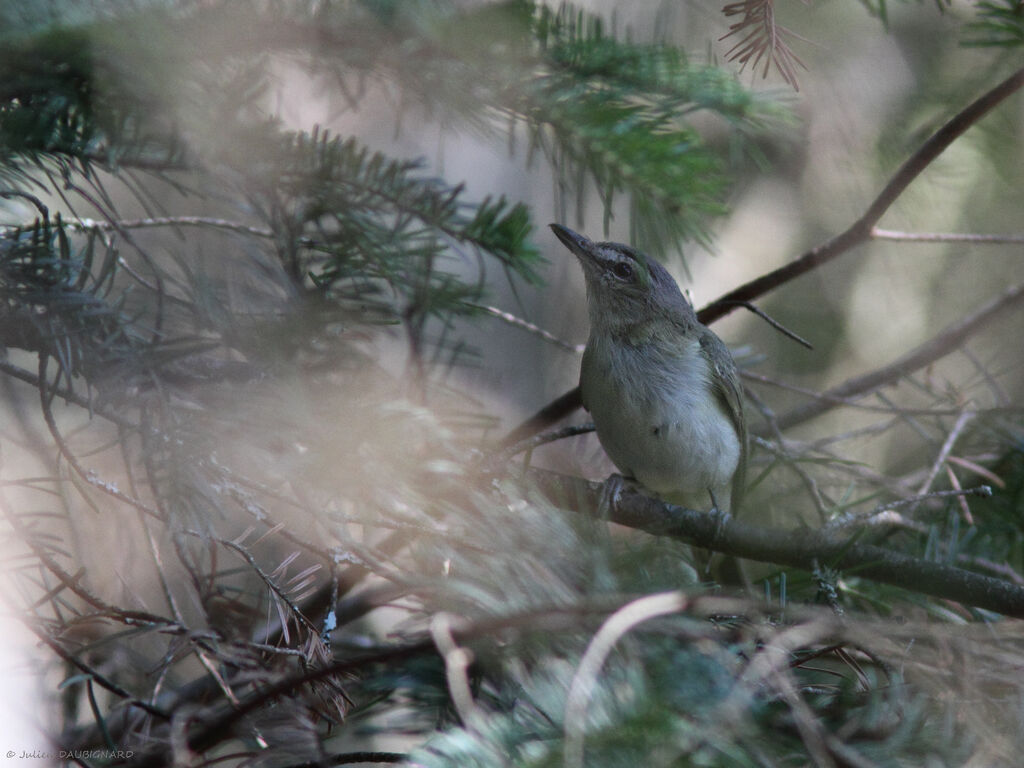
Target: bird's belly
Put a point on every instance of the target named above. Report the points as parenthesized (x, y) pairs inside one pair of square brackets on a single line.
[(680, 444)]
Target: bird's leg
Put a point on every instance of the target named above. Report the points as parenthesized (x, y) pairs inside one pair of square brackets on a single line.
[(721, 515), (612, 490)]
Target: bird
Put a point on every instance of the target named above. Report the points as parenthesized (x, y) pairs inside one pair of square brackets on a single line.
[(662, 389)]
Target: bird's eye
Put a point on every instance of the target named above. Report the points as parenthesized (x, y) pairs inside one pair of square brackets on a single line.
[(622, 270)]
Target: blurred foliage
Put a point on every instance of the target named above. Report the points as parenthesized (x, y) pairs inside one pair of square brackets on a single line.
[(998, 24), (81, 102), (880, 8), (239, 440)]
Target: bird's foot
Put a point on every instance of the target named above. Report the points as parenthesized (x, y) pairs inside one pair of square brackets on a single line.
[(722, 516), (612, 490)]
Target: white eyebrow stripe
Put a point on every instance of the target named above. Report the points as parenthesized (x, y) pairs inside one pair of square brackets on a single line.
[(615, 256)]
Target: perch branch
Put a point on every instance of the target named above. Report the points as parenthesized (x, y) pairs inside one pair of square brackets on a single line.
[(803, 549)]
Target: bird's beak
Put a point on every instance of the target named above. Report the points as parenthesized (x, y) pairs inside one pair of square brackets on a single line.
[(581, 247)]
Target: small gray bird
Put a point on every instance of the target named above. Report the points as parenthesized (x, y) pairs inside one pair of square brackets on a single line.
[(661, 387)]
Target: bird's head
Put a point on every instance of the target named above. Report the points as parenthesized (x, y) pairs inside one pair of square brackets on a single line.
[(624, 286)]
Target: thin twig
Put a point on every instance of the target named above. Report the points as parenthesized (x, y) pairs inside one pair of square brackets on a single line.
[(850, 519), (74, 585), (908, 418), (840, 465), (531, 443), (998, 392), (780, 449), (549, 414), (39, 205), (271, 584), (101, 679), (67, 395), (942, 237), (847, 402), (46, 395), (171, 221), (936, 347), (958, 426), (775, 324), (518, 322), (861, 229), (1001, 569)]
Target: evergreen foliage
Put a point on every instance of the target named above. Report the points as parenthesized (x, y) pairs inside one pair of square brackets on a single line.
[(999, 24), (251, 518)]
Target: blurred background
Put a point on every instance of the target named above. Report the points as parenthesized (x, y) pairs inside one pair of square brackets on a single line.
[(870, 92), (234, 331)]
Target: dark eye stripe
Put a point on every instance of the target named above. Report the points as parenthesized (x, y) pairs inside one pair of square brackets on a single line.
[(623, 270)]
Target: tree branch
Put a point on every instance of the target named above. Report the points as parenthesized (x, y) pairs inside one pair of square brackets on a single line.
[(860, 230), (945, 237), (807, 550), (853, 236), (803, 549), (936, 347)]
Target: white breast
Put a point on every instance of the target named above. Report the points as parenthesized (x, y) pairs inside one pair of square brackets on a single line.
[(660, 422)]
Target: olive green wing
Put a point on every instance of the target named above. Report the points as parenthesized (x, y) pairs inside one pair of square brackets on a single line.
[(591, 376), (725, 382)]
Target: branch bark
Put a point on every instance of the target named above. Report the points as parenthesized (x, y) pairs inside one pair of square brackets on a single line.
[(804, 549)]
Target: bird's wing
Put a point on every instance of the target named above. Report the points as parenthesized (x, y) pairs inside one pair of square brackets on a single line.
[(726, 386), (585, 364)]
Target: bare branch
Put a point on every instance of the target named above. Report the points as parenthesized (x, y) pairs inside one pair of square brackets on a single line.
[(847, 402), (958, 427), (848, 521), (861, 229), (518, 322), (775, 324), (938, 346), (549, 414), (943, 237), (543, 439)]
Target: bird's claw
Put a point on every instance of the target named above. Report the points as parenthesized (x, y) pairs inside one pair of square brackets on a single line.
[(721, 517), (611, 492)]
